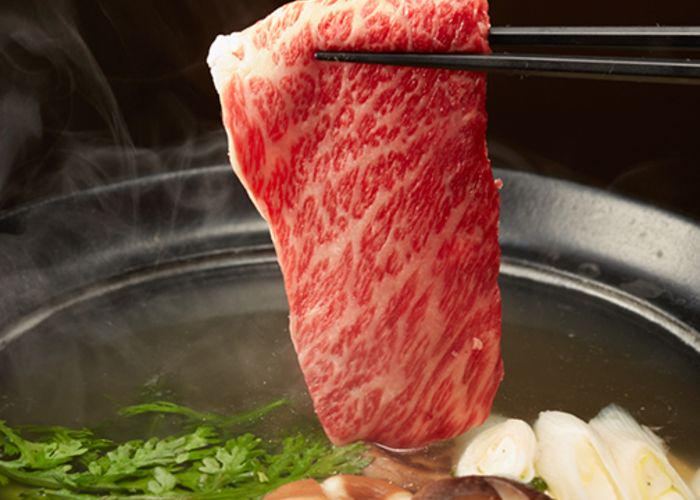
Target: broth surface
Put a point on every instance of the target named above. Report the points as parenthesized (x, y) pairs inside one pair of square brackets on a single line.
[(217, 340)]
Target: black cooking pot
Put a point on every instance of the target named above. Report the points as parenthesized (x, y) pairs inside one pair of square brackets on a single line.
[(170, 283)]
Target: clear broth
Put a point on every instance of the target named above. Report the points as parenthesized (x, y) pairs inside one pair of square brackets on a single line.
[(217, 340)]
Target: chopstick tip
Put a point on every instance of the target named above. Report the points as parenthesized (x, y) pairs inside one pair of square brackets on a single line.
[(323, 56)]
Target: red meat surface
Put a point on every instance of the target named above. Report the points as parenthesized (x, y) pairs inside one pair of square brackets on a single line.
[(382, 207)]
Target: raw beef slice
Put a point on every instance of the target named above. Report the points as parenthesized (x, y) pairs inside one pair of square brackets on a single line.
[(382, 208)]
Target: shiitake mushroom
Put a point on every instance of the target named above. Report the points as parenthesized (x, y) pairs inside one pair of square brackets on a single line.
[(478, 488)]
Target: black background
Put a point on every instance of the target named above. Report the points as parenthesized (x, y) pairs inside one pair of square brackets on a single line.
[(94, 91)]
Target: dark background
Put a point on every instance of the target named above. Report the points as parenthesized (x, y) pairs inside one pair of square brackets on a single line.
[(95, 91)]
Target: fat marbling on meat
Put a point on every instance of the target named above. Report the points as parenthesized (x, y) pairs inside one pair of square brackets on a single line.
[(382, 207)]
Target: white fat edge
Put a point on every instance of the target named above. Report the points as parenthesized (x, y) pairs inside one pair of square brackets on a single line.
[(574, 461), (223, 63), (632, 446), (334, 488), (507, 449)]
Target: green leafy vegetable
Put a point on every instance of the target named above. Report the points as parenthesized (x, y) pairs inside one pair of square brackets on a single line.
[(539, 484), (163, 482), (204, 464), (41, 455), (214, 419)]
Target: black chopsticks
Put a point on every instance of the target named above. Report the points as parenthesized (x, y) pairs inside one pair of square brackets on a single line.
[(642, 37), (615, 68), (601, 67)]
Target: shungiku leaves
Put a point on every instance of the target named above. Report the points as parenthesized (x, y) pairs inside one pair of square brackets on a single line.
[(208, 462)]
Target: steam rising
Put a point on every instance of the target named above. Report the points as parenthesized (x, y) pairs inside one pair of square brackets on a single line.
[(63, 129), (47, 65), (98, 142), (63, 132)]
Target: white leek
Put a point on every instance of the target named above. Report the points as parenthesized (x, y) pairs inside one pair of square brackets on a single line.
[(574, 461), (506, 449), (640, 457)]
